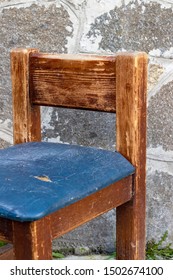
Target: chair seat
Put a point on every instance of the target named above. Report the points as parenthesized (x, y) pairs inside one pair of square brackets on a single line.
[(37, 179)]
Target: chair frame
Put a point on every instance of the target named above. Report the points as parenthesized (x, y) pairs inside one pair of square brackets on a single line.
[(33, 240)]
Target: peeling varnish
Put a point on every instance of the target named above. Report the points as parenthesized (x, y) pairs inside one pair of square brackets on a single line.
[(43, 178)]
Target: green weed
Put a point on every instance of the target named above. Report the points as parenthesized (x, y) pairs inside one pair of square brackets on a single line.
[(155, 251), (57, 255), (2, 243), (112, 256)]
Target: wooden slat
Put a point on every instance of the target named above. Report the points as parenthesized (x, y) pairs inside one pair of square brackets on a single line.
[(79, 81), (6, 230), (131, 72), (32, 240), (26, 118), (72, 216), (6, 252)]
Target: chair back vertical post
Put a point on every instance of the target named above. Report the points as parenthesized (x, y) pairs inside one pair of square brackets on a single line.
[(31, 240), (131, 88), (26, 118)]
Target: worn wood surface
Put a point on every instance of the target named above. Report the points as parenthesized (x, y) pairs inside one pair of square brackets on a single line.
[(90, 207), (6, 252), (90, 83), (32, 240), (131, 70), (6, 230), (74, 81), (26, 117)]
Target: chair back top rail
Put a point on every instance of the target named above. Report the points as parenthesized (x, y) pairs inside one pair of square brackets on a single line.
[(73, 81), (114, 83)]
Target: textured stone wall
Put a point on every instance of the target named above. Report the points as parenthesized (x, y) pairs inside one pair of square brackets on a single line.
[(100, 26)]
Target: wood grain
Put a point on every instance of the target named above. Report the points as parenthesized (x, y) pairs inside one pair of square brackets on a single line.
[(32, 240), (76, 214), (131, 70), (78, 81), (106, 83), (26, 117)]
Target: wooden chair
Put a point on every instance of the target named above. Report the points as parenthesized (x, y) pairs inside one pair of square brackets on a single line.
[(48, 189)]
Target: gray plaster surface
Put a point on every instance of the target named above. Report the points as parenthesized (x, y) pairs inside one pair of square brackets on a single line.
[(160, 110), (80, 127), (160, 205)]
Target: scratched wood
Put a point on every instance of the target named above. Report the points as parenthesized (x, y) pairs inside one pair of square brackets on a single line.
[(26, 117), (74, 81), (90, 207), (32, 240), (84, 82), (131, 70)]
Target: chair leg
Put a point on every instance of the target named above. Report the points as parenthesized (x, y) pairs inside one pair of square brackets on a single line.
[(130, 232), (32, 240)]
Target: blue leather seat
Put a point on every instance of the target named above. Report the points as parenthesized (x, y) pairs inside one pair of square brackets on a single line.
[(37, 179)]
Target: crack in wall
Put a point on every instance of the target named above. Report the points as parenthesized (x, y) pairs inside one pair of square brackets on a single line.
[(79, 13), (159, 160), (154, 158)]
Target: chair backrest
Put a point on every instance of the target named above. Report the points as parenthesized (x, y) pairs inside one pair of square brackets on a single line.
[(115, 83), (74, 81)]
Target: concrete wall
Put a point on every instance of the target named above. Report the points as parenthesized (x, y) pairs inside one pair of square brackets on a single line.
[(100, 26)]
